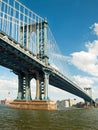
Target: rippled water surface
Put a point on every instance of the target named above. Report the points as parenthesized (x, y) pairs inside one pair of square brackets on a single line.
[(76, 119)]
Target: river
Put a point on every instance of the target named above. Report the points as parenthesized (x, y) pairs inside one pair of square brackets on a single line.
[(73, 119)]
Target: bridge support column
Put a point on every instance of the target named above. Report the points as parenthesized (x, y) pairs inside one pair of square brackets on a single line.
[(20, 87), (46, 82), (27, 88), (37, 87), (24, 91), (42, 86), (37, 38)]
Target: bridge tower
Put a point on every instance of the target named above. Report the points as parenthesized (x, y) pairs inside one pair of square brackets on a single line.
[(42, 80), (42, 54)]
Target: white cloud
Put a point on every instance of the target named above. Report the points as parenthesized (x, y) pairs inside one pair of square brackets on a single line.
[(91, 82), (83, 81), (95, 28), (8, 84), (93, 47), (87, 61)]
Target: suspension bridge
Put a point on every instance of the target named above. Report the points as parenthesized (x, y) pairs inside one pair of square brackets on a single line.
[(28, 47)]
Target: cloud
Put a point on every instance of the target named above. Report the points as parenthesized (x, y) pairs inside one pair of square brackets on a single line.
[(92, 47), (87, 82), (7, 86), (95, 28), (87, 61), (83, 81)]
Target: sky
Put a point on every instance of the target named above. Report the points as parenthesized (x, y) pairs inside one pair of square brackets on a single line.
[(74, 24)]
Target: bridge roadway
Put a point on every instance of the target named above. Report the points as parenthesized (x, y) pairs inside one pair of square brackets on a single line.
[(19, 59)]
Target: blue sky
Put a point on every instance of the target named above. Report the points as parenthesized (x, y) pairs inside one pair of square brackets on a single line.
[(74, 24), (69, 20)]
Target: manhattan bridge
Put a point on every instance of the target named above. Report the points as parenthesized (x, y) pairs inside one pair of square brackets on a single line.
[(28, 47)]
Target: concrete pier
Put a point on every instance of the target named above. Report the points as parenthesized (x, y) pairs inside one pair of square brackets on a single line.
[(33, 104)]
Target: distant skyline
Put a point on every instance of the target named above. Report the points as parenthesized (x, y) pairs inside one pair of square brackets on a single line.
[(74, 24)]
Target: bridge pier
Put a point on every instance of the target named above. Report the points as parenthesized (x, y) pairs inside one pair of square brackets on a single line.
[(38, 84), (42, 86), (27, 88), (46, 82), (20, 87), (41, 101), (24, 90)]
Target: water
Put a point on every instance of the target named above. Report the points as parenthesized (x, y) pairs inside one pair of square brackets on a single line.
[(76, 119)]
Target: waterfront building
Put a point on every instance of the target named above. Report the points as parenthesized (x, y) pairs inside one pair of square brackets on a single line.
[(6, 101), (66, 103)]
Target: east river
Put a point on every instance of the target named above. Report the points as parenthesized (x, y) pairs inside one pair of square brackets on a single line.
[(74, 119)]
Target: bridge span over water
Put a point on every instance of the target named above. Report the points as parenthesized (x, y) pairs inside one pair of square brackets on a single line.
[(26, 44)]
